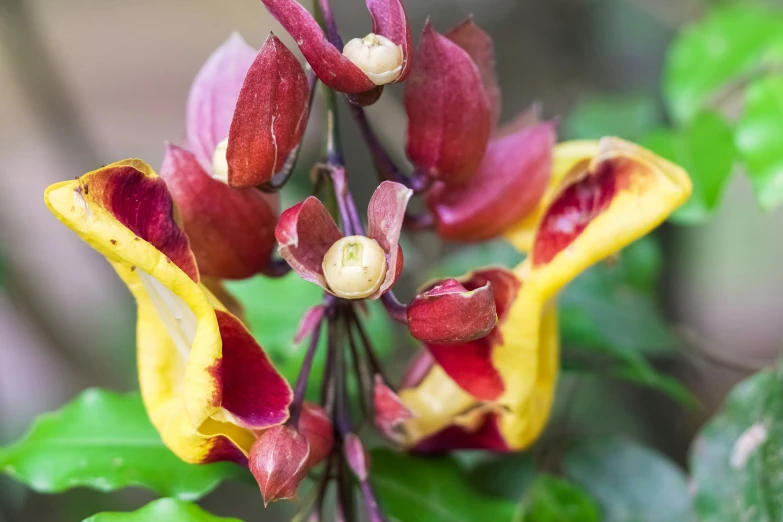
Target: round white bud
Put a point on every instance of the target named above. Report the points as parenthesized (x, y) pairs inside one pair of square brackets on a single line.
[(219, 162), (377, 56), (354, 267)]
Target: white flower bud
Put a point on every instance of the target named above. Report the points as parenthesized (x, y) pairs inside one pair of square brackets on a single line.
[(377, 56), (220, 163), (354, 267)]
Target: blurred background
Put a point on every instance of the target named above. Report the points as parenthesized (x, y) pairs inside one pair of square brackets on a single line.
[(87, 82)]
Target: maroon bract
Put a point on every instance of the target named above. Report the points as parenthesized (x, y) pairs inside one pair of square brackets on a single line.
[(331, 67), (270, 116), (449, 113), (512, 172), (279, 460), (306, 231), (505, 188), (448, 312), (231, 231)]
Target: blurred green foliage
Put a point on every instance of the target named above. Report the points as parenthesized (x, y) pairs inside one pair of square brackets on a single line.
[(162, 510), (104, 440)]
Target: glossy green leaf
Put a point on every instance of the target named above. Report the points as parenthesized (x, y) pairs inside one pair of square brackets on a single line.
[(705, 149), (736, 458), (553, 499), (731, 44), (104, 440), (421, 489), (626, 116), (273, 309), (162, 510), (632, 483), (469, 258), (759, 138)]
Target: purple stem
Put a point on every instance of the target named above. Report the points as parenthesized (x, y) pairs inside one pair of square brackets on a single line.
[(304, 375), (369, 351), (395, 309), (372, 504), (363, 373)]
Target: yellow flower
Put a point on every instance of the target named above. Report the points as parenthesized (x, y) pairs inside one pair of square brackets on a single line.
[(206, 383), (601, 197)]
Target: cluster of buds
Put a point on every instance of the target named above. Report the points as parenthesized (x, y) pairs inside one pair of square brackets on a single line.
[(487, 374)]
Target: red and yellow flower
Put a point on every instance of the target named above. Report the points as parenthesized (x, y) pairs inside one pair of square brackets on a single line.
[(207, 384), (497, 392)]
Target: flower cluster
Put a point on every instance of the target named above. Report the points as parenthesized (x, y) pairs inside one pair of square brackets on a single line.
[(487, 373)]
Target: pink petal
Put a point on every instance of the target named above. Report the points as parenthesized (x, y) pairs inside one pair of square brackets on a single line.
[(357, 457), (270, 116), (331, 67), (385, 214), (449, 313), (479, 46), (231, 231), (507, 186), (305, 232), (449, 115), (389, 20), (417, 370), (213, 96)]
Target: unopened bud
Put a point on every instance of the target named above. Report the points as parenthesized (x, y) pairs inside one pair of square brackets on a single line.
[(354, 267), (279, 461), (357, 457), (219, 162), (377, 56), (315, 425)]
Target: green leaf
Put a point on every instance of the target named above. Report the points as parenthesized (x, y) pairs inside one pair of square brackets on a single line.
[(759, 138), (273, 309), (162, 510), (626, 116), (553, 499), (419, 489), (705, 149), (104, 440), (612, 309), (632, 483), (731, 44), (469, 258), (736, 458)]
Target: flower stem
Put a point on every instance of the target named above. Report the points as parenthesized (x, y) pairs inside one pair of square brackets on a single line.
[(304, 374), (395, 309)]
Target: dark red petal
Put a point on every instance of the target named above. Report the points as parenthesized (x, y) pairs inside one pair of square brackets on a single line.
[(389, 20), (448, 313), (470, 364), (231, 231), (479, 46), (252, 390), (578, 204), (390, 411), (486, 437), (270, 116), (213, 97), (279, 462), (315, 425), (449, 115), (357, 457), (305, 232), (309, 322), (385, 215), (142, 204), (507, 186), (331, 67)]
